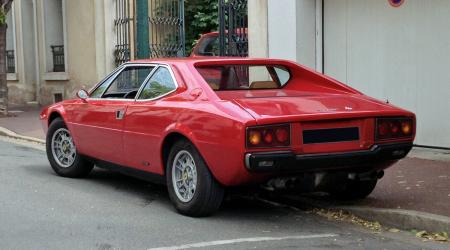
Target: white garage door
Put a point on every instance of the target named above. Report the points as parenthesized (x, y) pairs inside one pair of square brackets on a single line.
[(399, 54)]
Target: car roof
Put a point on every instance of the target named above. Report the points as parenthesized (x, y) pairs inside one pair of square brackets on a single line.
[(213, 60), (237, 31)]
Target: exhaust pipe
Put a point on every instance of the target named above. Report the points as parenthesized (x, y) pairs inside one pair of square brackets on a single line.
[(366, 176)]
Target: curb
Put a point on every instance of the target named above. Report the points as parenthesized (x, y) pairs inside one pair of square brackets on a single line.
[(397, 218), (14, 135), (402, 219)]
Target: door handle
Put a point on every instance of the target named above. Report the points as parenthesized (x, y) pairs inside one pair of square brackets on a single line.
[(120, 114)]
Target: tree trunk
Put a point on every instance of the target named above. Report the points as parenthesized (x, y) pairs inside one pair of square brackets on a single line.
[(3, 82)]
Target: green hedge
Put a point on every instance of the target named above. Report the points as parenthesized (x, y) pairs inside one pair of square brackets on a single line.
[(201, 16)]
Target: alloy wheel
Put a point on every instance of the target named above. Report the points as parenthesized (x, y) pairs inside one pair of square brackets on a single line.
[(63, 148), (184, 176)]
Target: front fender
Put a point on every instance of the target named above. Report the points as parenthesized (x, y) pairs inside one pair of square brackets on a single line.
[(48, 114)]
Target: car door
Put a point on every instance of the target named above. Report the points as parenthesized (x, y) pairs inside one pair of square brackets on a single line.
[(98, 122), (147, 118)]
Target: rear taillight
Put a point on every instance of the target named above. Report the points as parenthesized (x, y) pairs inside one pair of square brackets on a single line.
[(269, 136), (394, 128)]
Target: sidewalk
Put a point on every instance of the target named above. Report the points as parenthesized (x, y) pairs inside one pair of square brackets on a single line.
[(420, 182), (414, 184), (24, 120)]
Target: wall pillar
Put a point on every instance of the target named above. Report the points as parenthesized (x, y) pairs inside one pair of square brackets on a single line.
[(284, 29), (257, 28)]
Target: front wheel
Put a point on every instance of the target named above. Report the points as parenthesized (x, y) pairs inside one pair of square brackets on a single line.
[(62, 153), (354, 189), (192, 188)]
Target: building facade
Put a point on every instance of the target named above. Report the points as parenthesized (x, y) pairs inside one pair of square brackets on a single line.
[(55, 47), (393, 50)]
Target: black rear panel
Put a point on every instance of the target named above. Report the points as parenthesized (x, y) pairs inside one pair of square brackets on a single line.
[(330, 135)]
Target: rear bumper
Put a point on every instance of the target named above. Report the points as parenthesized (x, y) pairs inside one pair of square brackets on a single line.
[(378, 157)]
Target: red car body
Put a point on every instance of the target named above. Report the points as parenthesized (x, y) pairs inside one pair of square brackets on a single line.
[(208, 43), (217, 123), (206, 40)]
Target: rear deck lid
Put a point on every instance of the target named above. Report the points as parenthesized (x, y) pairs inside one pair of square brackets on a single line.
[(310, 106)]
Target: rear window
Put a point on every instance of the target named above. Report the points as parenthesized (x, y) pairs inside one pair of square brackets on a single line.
[(242, 77)]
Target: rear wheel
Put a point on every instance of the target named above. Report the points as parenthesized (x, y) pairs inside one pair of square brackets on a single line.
[(192, 188), (354, 189), (62, 153)]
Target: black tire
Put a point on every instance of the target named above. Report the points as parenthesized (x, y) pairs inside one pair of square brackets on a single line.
[(208, 194), (354, 190), (80, 167)]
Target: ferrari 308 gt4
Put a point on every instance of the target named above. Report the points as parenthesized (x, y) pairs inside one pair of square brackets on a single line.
[(201, 125)]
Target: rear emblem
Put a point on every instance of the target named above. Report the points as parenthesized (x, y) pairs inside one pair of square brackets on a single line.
[(348, 108), (326, 110)]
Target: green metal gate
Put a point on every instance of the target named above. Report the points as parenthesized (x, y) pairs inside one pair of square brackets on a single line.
[(149, 29), (233, 23)]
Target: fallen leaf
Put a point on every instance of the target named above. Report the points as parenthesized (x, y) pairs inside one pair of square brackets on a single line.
[(439, 238), (394, 230), (421, 234)]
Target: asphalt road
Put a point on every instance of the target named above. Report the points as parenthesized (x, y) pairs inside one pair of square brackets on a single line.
[(39, 210)]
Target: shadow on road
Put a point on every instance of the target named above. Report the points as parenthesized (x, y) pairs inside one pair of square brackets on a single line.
[(246, 203)]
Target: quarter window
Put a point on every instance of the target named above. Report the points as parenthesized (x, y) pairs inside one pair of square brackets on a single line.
[(159, 84)]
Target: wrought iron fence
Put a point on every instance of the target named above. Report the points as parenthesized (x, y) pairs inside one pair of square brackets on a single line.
[(149, 28), (10, 62), (124, 24), (166, 24), (58, 58), (233, 23)]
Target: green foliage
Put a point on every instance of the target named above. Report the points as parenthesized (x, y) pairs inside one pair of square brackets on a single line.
[(201, 16), (3, 16), (5, 6)]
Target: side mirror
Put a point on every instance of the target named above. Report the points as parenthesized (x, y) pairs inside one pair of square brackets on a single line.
[(82, 94)]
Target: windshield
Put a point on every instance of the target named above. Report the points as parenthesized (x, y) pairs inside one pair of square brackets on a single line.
[(242, 77)]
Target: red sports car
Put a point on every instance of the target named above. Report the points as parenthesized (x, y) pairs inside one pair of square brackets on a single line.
[(260, 121), (207, 45)]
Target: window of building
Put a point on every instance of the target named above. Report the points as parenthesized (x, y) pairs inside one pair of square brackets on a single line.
[(54, 35), (10, 43)]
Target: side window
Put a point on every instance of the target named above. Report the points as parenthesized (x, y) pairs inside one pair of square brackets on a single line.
[(159, 84), (97, 93), (209, 47), (128, 82)]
